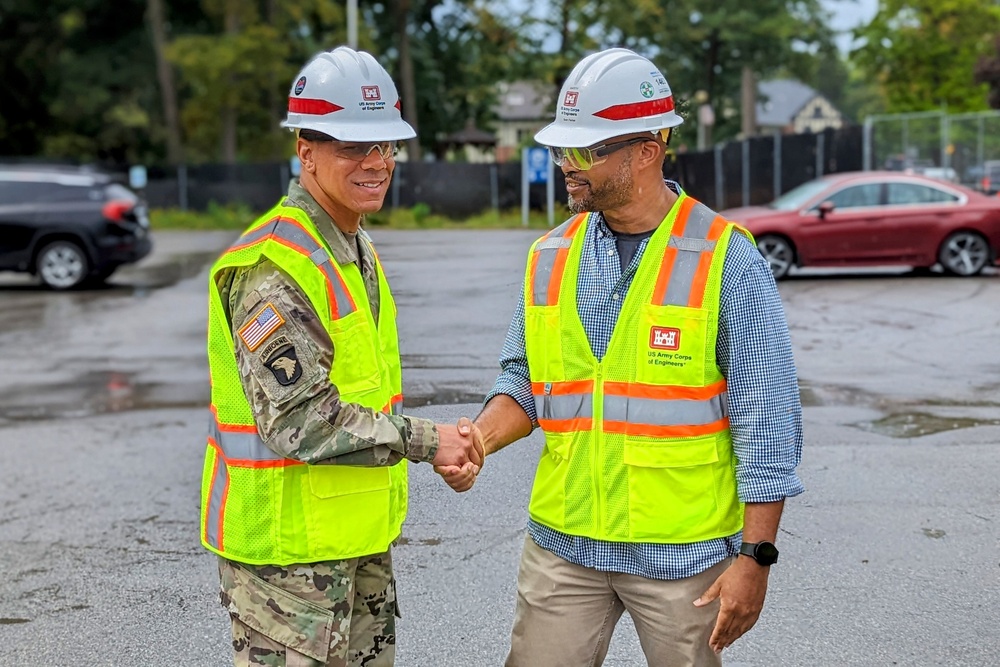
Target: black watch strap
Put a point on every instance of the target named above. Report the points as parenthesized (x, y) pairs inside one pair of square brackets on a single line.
[(765, 553)]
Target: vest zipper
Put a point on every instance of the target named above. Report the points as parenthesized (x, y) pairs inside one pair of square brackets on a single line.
[(596, 460)]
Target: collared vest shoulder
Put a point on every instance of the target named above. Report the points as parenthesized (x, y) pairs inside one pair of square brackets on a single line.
[(258, 507), (637, 445)]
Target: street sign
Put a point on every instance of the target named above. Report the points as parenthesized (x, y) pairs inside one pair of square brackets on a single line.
[(537, 165)]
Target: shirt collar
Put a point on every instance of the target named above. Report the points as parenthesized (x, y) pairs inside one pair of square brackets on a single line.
[(344, 250)]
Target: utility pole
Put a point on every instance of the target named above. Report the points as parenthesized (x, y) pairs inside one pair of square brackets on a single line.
[(748, 99), (352, 24)]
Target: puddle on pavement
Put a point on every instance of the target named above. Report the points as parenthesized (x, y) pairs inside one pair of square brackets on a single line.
[(917, 424), (442, 397), (140, 279), (98, 393), (14, 621)]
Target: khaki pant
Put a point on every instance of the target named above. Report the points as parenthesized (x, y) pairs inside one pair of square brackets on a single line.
[(567, 613), (328, 614)]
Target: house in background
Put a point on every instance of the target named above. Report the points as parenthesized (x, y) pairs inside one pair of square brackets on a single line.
[(787, 106), (523, 108)]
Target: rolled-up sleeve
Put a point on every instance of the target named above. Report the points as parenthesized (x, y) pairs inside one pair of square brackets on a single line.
[(754, 351), (514, 379)]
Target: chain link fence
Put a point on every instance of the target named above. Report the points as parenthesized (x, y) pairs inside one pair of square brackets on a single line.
[(952, 147), (740, 173)]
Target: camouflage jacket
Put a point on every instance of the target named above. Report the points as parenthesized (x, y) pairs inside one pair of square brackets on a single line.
[(300, 416)]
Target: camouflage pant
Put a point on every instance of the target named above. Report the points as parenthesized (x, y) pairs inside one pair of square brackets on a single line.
[(333, 614)]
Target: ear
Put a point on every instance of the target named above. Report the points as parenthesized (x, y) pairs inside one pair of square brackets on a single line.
[(304, 150), (650, 155)]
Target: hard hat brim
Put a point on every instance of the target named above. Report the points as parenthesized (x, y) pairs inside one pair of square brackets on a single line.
[(396, 130), (563, 135)]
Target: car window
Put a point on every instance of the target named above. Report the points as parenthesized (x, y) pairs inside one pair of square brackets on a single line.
[(118, 191), (915, 193), (71, 193), (857, 196), (22, 192)]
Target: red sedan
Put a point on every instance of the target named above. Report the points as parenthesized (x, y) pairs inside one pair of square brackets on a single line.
[(876, 219)]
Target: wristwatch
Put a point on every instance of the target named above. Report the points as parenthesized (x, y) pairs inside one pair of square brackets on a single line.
[(765, 553)]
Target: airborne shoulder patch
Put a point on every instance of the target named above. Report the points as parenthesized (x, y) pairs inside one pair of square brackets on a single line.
[(260, 326), (285, 366)]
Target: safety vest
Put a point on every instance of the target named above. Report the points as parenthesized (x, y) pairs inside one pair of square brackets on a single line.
[(637, 445), (258, 507)]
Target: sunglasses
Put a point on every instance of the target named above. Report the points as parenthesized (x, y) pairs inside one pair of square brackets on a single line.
[(582, 159), (358, 151)]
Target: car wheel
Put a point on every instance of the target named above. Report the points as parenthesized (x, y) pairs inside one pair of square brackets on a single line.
[(778, 252), (964, 254), (62, 265)]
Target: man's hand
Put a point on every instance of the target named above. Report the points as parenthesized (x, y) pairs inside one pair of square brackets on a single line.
[(461, 478), (742, 588), (459, 444)]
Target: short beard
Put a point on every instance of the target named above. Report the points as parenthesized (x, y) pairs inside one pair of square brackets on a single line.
[(615, 193)]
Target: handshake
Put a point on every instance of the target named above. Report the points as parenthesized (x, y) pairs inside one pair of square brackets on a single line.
[(460, 454)]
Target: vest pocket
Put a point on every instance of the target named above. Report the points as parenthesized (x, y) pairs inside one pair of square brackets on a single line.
[(347, 510), (672, 493), (541, 328), (355, 364), (672, 345)]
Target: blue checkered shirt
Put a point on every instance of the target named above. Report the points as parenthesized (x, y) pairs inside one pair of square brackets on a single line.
[(754, 354)]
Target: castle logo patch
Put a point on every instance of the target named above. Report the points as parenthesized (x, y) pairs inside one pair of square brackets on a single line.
[(263, 324), (664, 338)]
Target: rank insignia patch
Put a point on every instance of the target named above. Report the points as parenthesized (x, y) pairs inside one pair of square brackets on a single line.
[(285, 366), (263, 324)]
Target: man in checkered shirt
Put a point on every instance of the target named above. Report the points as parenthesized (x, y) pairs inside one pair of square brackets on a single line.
[(651, 347)]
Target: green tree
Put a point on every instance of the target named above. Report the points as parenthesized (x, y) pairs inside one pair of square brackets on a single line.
[(923, 52), (987, 72)]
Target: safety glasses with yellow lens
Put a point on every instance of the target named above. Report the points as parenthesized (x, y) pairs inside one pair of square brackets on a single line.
[(582, 159)]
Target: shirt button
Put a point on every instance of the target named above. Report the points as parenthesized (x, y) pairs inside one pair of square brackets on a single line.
[(611, 252), (615, 296)]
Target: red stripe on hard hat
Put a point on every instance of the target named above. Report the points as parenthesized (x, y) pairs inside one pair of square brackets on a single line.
[(397, 105), (312, 107), (637, 109)]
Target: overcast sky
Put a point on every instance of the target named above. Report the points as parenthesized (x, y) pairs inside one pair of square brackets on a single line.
[(849, 14)]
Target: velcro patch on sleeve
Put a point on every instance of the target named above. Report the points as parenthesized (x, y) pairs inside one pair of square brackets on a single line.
[(260, 326)]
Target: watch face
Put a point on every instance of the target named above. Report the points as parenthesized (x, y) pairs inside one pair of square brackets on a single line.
[(766, 553)]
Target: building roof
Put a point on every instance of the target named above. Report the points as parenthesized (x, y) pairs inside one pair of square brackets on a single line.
[(779, 101), (525, 100), (471, 135)]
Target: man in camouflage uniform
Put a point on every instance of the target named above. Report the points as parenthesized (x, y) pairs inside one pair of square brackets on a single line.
[(334, 612)]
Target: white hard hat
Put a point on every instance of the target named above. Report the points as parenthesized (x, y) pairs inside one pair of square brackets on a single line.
[(347, 95), (609, 94)]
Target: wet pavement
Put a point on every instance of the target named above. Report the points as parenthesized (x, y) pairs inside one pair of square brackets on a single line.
[(890, 558)]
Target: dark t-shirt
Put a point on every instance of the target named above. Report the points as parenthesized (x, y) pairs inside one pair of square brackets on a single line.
[(627, 244)]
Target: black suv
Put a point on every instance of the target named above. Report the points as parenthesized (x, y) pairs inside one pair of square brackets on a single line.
[(68, 225)]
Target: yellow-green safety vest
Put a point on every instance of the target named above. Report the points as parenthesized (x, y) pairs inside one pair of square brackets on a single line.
[(258, 507), (637, 445)]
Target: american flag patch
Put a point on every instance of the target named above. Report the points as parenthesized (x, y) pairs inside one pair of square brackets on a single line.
[(262, 325)]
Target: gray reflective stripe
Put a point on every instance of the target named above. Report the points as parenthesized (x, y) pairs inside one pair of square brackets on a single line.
[(554, 243), (242, 446), (296, 236), (548, 249), (319, 256), (256, 234), (659, 412), (564, 406), (543, 276), (691, 245), (689, 249), (214, 512)]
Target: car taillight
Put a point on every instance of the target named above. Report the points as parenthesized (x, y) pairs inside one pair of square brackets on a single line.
[(116, 210)]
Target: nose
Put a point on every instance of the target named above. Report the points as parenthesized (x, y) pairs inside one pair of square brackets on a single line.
[(374, 159)]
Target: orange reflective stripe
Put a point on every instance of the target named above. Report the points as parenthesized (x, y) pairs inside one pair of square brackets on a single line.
[(664, 392), (563, 388), (670, 254), (652, 431), (562, 254), (566, 425), (700, 279)]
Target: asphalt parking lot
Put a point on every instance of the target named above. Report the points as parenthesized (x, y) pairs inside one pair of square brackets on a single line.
[(890, 558)]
